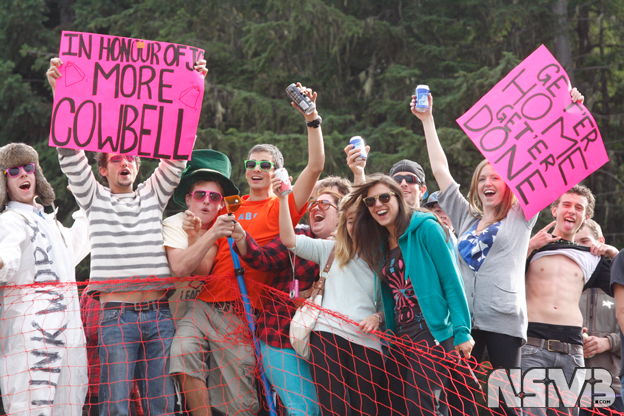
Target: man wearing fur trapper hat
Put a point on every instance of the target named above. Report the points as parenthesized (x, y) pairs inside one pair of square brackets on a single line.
[(43, 364)]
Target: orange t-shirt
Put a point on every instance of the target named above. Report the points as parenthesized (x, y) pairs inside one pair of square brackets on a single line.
[(261, 220)]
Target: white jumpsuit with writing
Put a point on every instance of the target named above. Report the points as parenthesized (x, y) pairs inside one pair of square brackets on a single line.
[(43, 361)]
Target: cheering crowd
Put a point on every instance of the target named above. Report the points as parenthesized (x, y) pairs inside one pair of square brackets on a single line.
[(458, 276)]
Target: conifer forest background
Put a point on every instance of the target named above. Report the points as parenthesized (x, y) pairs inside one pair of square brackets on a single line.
[(363, 57)]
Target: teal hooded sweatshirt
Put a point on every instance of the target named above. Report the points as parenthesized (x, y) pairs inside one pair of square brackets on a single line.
[(432, 269)]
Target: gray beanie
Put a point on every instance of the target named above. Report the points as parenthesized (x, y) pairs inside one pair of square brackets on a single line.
[(409, 166)]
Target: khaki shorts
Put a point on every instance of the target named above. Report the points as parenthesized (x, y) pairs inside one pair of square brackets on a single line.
[(211, 344)]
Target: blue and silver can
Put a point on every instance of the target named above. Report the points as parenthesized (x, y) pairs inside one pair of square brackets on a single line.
[(358, 143), (422, 98)]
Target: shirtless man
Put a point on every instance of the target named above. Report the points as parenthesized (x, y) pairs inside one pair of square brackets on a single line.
[(558, 272)]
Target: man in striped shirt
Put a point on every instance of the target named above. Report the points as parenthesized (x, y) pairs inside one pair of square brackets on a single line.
[(129, 271)]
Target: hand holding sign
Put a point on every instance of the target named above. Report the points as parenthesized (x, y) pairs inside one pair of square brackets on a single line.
[(53, 73), (201, 67), (539, 139), (576, 96)]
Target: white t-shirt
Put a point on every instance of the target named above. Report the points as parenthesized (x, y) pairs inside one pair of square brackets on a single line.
[(173, 234), (175, 237), (584, 259)]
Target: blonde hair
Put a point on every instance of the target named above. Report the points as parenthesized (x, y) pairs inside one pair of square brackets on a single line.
[(342, 184), (501, 210), (595, 229), (344, 248)]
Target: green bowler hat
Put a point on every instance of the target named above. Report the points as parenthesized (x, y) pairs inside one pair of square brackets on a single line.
[(205, 165)]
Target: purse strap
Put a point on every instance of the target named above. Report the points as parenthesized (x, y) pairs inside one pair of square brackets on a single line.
[(318, 287)]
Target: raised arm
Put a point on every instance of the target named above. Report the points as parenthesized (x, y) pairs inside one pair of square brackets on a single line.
[(437, 158), (302, 189), (53, 73), (287, 231), (356, 165), (82, 182)]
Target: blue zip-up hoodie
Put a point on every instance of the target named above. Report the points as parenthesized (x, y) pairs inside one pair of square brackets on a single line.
[(432, 269)]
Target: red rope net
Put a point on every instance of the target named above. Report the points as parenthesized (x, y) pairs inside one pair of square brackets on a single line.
[(203, 361)]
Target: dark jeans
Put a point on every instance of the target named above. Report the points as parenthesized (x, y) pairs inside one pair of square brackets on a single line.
[(504, 352), (417, 379), (342, 369), (140, 341)]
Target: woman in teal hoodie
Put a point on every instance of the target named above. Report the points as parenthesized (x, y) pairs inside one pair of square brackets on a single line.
[(411, 252)]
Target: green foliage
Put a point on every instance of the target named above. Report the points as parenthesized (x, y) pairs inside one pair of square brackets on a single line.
[(363, 57)]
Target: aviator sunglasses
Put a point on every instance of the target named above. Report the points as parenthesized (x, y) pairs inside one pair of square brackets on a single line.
[(321, 204), (214, 197), (118, 158), (408, 179), (15, 171), (265, 165), (384, 198)]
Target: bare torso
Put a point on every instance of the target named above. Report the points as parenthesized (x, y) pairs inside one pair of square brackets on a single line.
[(553, 289)]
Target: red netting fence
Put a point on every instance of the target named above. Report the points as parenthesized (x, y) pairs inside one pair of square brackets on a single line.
[(138, 360)]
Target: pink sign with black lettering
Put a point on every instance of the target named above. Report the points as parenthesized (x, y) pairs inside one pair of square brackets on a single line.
[(127, 96), (537, 139)]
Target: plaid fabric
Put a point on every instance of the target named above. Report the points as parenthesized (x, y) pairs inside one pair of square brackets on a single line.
[(273, 323), (90, 309)]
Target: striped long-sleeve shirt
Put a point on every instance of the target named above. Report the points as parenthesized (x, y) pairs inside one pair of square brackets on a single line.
[(125, 230)]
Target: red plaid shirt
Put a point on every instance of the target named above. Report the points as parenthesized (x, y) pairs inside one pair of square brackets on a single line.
[(90, 309), (273, 323)]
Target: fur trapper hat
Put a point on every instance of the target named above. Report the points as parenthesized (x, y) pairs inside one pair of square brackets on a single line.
[(20, 154)]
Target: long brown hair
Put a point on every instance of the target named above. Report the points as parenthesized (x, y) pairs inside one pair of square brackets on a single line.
[(371, 240), (501, 210)]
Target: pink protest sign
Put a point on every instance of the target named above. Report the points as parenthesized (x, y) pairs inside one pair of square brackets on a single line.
[(128, 96), (527, 127)]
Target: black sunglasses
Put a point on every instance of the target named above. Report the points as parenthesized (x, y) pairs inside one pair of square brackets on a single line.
[(384, 198), (408, 179), (265, 165)]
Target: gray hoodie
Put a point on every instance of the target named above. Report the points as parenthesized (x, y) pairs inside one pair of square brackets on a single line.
[(496, 293)]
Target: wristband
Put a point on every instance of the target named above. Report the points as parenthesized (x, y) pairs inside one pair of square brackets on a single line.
[(378, 315), (244, 235), (315, 123)]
